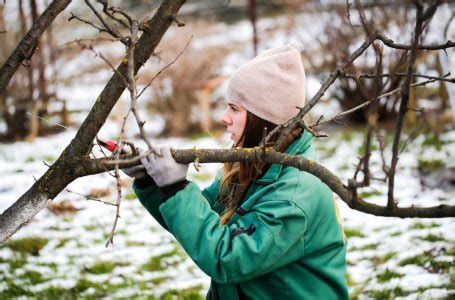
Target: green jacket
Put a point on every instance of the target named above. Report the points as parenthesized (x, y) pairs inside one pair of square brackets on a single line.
[(284, 242)]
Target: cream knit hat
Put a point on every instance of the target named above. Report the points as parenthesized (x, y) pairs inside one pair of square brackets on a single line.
[(270, 85)]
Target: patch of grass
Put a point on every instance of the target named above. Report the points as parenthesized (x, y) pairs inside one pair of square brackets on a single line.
[(387, 275), (101, 267), (84, 284), (130, 195), (427, 260), (419, 225), (90, 227), (430, 165), (156, 262), (379, 260), (33, 277), (432, 238), (29, 245), (396, 233), (433, 140), (159, 280), (13, 291), (324, 150), (134, 244), (347, 136), (352, 232), (388, 294), (361, 149), (29, 159), (17, 263), (371, 246), (349, 281), (193, 293), (388, 256), (368, 194), (49, 158), (54, 293), (62, 242)]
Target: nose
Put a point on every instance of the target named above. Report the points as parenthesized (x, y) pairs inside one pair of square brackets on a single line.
[(225, 118)]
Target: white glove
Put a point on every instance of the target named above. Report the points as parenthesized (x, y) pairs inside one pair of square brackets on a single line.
[(164, 170), (137, 172)]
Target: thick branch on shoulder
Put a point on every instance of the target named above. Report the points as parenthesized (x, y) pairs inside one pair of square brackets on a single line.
[(90, 167)]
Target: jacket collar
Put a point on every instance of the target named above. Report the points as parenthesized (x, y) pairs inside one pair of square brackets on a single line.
[(298, 147)]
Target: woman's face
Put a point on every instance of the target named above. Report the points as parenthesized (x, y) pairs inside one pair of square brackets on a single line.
[(234, 118)]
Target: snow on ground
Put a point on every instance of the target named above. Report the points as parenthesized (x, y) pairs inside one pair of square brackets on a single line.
[(65, 253)]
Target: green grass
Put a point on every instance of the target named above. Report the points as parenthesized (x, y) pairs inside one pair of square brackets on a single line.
[(430, 165), (433, 140), (130, 195), (84, 284), (33, 277), (432, 238), (159, 280), (379, 260), (101, 267), (388, 294), (193, 293), (352, 232), (368, 194), (29, 245), (419, 225), (387, 275), (156, 263), (17, 262), (427, 260)]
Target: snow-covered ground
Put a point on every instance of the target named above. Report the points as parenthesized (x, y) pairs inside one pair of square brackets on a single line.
[(65, 252), (62, 252)]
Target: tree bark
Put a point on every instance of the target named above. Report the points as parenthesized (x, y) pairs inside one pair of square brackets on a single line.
[(25, 48), (62, 172)]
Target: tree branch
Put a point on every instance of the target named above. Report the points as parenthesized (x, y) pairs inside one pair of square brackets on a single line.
[(25, 47), (61, 173), (269, 155)]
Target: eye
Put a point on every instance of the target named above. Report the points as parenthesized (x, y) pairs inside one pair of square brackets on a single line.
[(234, 109)]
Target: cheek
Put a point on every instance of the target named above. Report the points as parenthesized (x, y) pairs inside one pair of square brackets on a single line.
[(241, 121)]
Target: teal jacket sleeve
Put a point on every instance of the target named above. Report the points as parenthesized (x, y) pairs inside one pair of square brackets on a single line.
[(151, 198), (253, 245)]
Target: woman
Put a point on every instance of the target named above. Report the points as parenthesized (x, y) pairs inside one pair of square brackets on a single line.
[(259, 231)]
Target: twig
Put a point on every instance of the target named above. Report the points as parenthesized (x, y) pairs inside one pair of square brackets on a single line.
[(366, 103), (73, 16), (179, 24), (100, 55), (391, 204), (91, 198), (112, 31), (390, 43), (386, 75), (165, 67)]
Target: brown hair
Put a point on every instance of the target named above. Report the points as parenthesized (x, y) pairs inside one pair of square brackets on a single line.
[(237, 175)]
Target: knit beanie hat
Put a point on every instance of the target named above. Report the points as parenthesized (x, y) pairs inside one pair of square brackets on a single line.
[(271, 85)]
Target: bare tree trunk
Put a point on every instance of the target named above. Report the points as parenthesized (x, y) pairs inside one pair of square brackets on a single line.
[(63, 171), (25, 48), (203, 97), (35, 103), (252, 17)]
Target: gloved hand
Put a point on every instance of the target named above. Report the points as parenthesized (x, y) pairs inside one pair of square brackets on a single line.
[(164, 170), (136, 172)]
